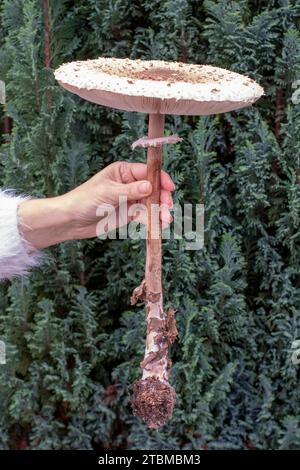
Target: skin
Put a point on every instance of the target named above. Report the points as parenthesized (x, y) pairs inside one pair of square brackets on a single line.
[(73, 216)]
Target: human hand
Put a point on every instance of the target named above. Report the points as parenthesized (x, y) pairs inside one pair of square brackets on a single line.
[(75, 215), (101, 194)]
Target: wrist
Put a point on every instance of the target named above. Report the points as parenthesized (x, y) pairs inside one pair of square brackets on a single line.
[(45, 222)]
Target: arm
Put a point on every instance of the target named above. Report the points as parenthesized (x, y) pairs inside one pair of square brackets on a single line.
[(45, 222), (29, 225)]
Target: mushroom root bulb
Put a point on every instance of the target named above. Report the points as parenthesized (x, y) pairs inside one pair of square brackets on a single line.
[(153, 401)]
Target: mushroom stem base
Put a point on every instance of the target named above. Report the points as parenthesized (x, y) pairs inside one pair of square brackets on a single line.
[(153, 401)]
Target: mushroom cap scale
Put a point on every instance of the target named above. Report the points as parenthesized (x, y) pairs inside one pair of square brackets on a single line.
[(158, 86)]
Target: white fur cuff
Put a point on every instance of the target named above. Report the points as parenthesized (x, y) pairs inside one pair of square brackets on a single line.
[(17, 256)]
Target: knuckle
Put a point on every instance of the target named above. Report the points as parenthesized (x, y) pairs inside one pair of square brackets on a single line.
[(124, 171)]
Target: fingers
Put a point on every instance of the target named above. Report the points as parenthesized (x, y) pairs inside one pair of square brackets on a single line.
[(165, 216), (166, 181), (166, 203), (138, 212), (137, 191), (166, 198), (133, 191), (126, 172)]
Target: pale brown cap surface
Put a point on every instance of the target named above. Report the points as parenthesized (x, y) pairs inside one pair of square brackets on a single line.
[(157, 86)]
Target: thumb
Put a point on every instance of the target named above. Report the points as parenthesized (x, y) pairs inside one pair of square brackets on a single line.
[(136, 190)]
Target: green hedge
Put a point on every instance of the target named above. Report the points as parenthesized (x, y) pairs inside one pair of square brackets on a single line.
[(74, 343)]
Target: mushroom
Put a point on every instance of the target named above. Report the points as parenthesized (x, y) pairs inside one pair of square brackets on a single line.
[(158, 88)]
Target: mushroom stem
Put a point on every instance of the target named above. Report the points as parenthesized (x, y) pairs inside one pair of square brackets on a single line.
[(153, 397), (153, 254)]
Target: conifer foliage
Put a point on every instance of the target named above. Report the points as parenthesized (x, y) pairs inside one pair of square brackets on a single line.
[(73, 341)]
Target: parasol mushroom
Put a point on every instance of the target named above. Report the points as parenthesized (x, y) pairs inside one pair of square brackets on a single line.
[(157, 88)]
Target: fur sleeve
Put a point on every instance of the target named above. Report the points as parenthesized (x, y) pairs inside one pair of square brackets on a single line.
[(17, 256)]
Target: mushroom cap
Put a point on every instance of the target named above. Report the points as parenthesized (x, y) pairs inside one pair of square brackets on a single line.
[(157, 86)]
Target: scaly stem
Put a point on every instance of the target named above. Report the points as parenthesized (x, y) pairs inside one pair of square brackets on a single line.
[(153, 397), (153, 281)]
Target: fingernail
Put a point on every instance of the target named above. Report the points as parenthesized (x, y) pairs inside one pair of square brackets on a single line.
[(144, 187)]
